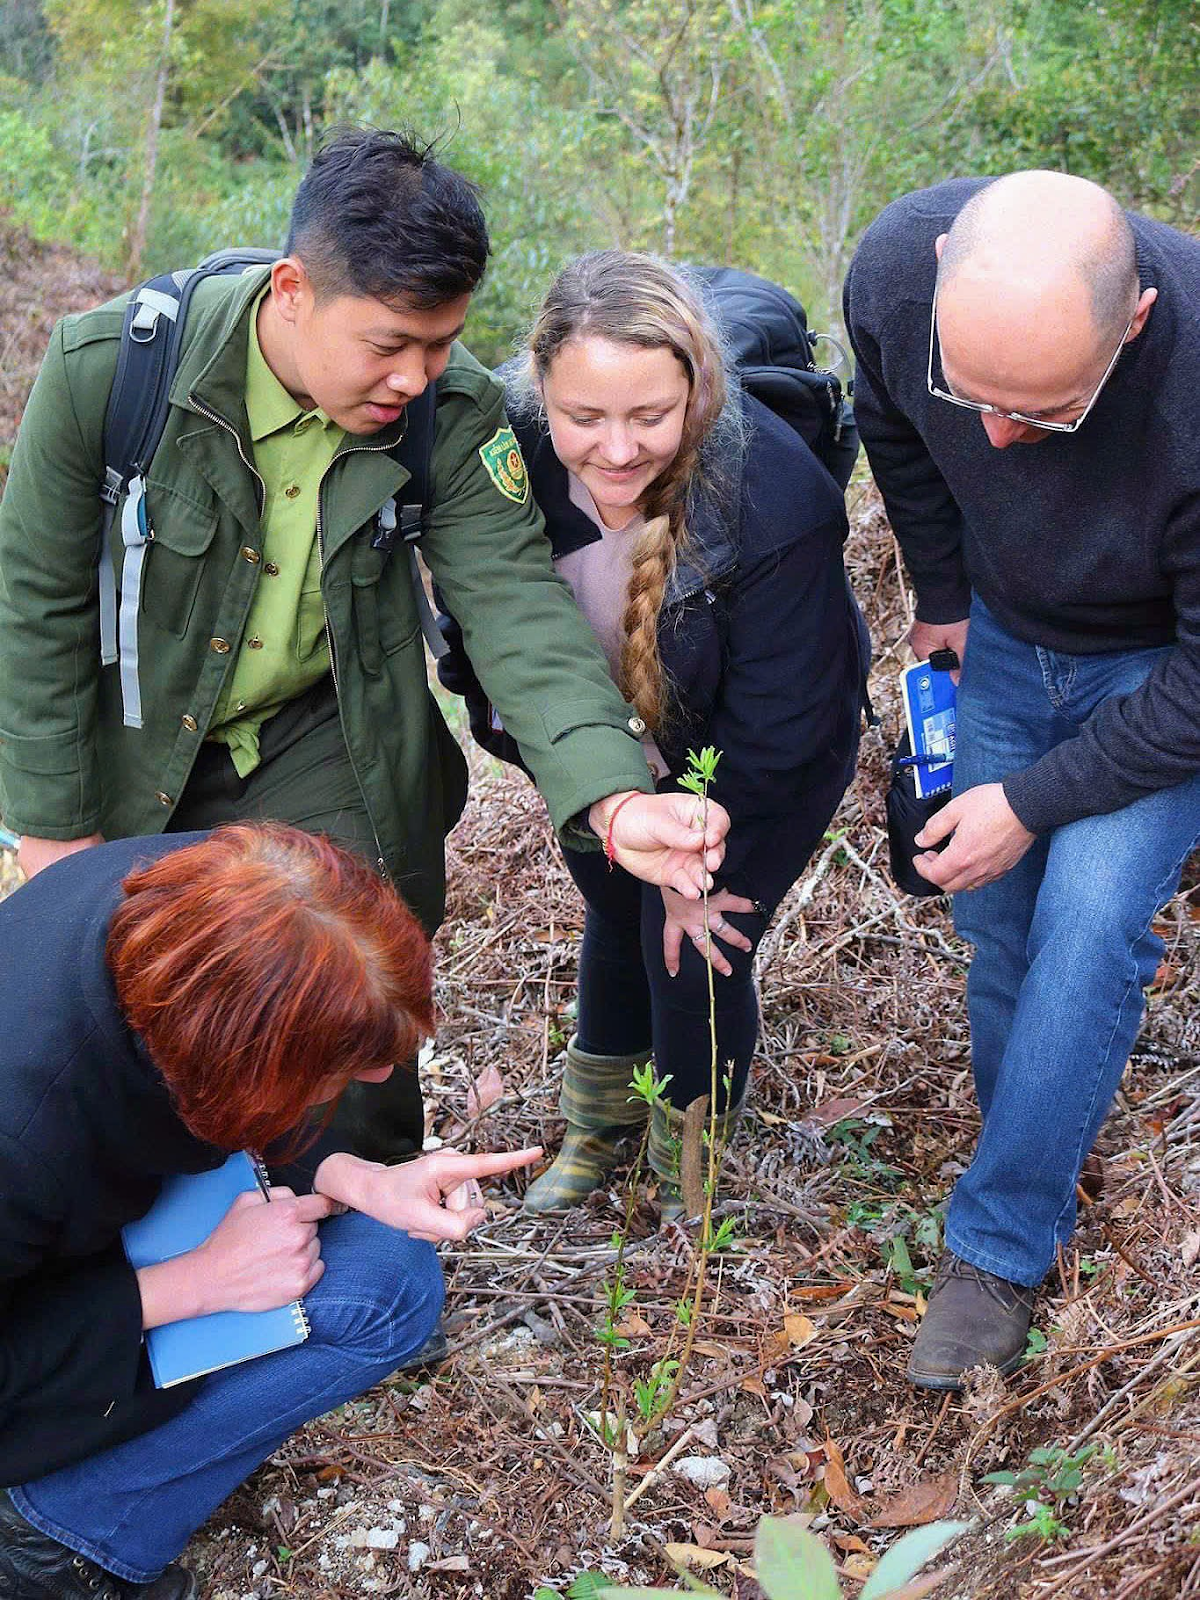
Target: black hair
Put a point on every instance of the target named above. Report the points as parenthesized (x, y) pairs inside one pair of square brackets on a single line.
[(376, 215)]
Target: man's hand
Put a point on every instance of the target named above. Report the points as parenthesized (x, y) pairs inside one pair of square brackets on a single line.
[(685, 919), (926, 637), (657, 837), (34, 854), (988, 840), (435, 1197)]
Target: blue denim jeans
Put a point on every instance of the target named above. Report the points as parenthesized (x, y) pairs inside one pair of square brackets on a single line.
[(1063, 949), (134, 1507)]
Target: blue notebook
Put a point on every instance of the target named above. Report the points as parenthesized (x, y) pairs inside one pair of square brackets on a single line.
[(188, 1208), (928, 698)]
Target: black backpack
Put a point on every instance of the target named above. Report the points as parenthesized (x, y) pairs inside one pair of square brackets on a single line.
[(151, 341), (766, 330)]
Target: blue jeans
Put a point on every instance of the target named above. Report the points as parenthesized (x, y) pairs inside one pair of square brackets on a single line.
[(1063, 949), (132, 1509)]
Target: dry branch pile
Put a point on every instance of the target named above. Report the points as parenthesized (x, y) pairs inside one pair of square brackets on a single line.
[(38, 284)]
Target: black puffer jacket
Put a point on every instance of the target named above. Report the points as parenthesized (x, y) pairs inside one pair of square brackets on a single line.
[(761, 639)]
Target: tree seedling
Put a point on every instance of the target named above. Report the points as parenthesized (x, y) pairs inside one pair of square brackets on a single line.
[(1051, 1478)]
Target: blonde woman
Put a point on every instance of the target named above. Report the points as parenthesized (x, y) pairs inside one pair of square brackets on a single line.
[(703, 542)]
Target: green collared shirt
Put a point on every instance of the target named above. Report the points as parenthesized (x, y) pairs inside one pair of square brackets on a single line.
[(284, 648)]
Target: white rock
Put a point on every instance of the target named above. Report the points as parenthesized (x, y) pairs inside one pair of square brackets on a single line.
[(259, 1567), (427, 1513), (382, 1538), (418, 1555), (706, 1472), (327, 1493), (270, 1505), (395, 1505)]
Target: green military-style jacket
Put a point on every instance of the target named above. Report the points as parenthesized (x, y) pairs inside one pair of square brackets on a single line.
[(68, 766)]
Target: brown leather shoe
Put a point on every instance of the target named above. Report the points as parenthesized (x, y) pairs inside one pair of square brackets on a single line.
[(973, 1317)]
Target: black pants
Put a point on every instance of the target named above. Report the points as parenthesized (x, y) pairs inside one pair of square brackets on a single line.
[(628, 1001), (305, 778)]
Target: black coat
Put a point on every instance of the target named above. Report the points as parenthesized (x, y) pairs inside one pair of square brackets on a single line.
[(764, 647), (86, 1135)]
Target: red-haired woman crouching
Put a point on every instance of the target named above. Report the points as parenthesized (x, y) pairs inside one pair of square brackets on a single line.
[(165, 1002)]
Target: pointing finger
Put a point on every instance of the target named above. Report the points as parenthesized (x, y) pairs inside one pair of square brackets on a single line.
[(456, 1167)]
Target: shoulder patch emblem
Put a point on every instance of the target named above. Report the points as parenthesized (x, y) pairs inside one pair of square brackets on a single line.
[(505, 466)]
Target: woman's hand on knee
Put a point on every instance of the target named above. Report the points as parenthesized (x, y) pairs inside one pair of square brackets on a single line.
[(685, 920), (435, 1197), (262, 1255)]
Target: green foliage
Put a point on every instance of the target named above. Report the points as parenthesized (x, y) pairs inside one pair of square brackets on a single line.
[(1050, 1479), (701, 770), (762, 132), (647, 1085), (26, 43), (617, 1295), (792, 1564), (588, 1586), (722, 1237), (650, 1392), (1035, 1344), (908, 1555)]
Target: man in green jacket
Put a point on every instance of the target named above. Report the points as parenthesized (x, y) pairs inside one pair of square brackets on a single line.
[(271, 655)]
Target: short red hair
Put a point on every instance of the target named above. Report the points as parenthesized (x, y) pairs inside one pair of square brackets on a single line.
[(260, 963)]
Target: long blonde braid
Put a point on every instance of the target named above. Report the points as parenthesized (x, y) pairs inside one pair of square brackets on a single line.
[(630, 298)]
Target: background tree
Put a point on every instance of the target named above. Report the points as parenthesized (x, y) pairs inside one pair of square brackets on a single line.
[(765, 133)]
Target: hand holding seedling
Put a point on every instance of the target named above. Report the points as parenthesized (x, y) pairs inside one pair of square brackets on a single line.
[(663, 838), (430, 1198), (686, 920), (988, 840)]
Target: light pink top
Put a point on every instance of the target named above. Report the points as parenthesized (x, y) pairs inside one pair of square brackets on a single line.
[(598, 576)]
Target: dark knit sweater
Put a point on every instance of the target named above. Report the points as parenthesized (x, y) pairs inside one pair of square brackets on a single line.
[(1084, 543)]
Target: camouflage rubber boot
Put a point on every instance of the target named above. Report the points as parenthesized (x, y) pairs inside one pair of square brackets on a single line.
[(666, 1149), (596, 1101)]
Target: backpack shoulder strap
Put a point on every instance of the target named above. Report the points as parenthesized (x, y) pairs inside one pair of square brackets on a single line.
[(406, 519), (151, 340)]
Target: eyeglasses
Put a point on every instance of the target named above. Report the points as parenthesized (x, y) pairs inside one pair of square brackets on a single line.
[(1018, 416)]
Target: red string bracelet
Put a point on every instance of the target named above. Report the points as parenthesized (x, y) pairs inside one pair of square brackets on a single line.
[(609, 848)]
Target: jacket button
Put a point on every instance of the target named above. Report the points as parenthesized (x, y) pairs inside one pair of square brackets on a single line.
[(292, 490), (271, 570), (252, 556), (220, 646), (254, 644), (189, 723), (163, 799), (636, 725)]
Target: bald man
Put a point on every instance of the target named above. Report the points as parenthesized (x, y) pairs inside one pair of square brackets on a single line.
[(1028, 393)]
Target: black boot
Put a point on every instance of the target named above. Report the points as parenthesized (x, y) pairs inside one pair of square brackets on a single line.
[(33, 1566)]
